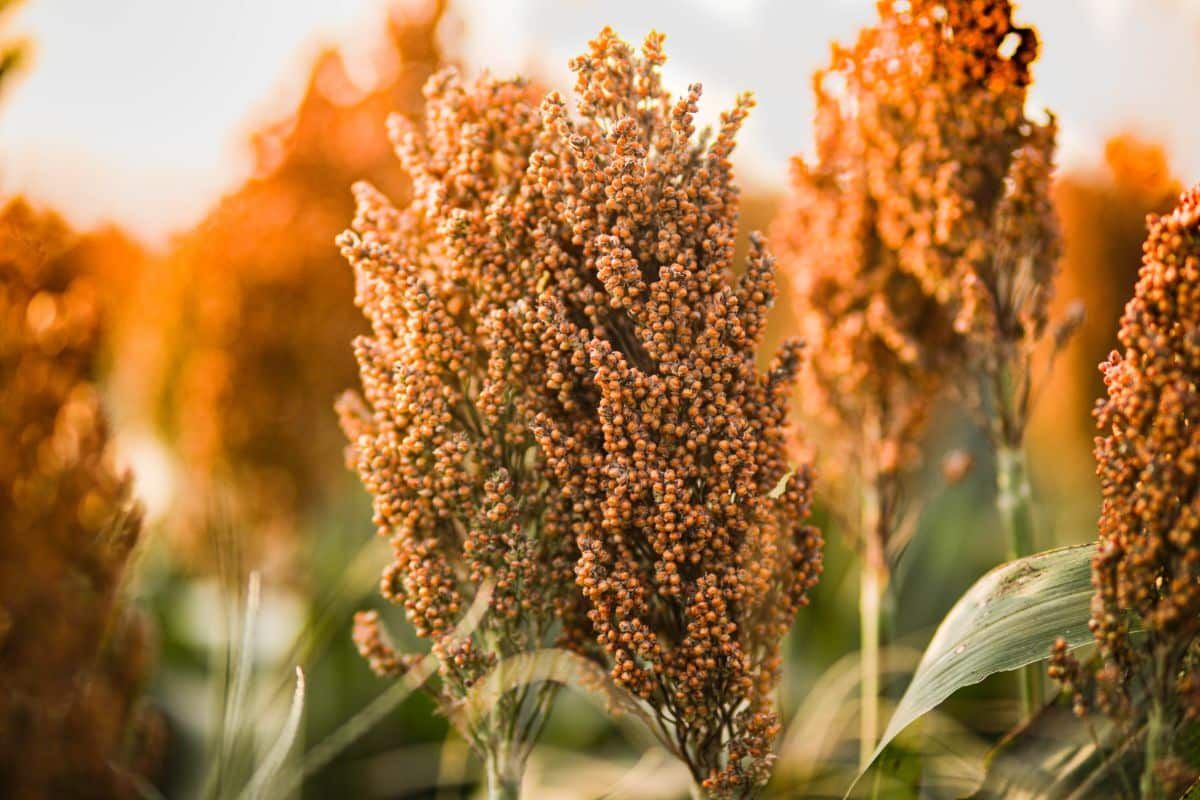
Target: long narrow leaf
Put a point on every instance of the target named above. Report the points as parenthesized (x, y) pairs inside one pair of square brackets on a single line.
[(1009, 618), (354, 728), (822, 721), (244, 658), (235, 684), (273, 762)]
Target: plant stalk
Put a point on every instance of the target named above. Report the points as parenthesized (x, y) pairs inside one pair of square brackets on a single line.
[(1154, 735), (503, 775), (1014, 501), (872, 582)]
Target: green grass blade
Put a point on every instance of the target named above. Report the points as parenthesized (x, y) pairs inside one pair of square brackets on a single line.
[(350, 731), (244, 658), (229, 734), (366, 719), (265, 775)]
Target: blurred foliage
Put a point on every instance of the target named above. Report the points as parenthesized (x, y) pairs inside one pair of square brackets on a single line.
[(12, 52)]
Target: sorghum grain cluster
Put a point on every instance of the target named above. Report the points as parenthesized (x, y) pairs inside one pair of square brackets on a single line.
[(437, 434), (923, 218), (668, 438), (566, 281), (1146, 571)]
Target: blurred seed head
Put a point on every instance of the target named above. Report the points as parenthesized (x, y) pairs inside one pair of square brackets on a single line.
[(919, 240), (253, 309), (72, 658), (1103, 214)]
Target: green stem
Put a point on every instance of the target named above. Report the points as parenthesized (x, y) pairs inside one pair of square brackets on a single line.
[(872, 580), (871, 590), (516, 722), (1014, 501), (503, 774), (1154, 734), (1014, 498)]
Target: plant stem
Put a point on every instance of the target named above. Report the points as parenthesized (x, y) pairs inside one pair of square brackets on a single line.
[(517, 720), (1014, 501), (503, 774), (1154, 733), (872, 581)]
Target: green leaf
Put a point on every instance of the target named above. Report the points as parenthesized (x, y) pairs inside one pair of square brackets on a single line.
[(1009, 618), (385, 703), (231, 735), (273, 762)]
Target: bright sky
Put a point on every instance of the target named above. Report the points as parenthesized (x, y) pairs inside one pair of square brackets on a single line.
[(134, 110)]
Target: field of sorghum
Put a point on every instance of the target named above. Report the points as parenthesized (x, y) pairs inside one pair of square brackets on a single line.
[(679, 486)]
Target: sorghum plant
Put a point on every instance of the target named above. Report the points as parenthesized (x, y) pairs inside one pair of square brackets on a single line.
[(72, 658), (1146, 572), (256, 305), (921, 244), (667, 437), (556, 313), (855, 238), (989, 212), (438, 436), (997, 166)]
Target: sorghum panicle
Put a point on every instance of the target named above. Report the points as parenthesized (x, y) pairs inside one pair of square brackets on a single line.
[(437, 434), (923, 218), (1146, 571), (72, 659), (661, 429), (567, 281)]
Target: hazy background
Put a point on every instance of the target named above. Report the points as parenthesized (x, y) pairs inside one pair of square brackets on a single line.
[(135, 110)]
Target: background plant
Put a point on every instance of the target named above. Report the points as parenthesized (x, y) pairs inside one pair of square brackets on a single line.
[(244, 326), (73, 657)]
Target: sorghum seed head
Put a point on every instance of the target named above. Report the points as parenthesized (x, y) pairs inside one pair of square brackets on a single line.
[(1146, 571), (920, 238), (559, 345)]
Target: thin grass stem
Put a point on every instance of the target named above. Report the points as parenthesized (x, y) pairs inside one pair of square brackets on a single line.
[(872, 581)]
